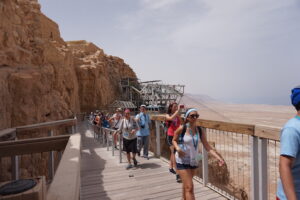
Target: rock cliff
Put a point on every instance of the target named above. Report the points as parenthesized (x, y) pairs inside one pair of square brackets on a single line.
[(44, 78)]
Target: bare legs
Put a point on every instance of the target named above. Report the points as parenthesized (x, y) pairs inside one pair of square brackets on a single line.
[(129, 157), (172, 163), (186, 176)]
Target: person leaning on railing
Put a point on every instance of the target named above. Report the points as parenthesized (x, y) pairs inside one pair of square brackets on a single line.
[(186, 141), (289, 163)]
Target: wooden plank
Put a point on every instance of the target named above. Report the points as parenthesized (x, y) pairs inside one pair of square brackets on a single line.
[(36, 145), (272, 133), (227, 126), (66, 122), (218, 125), (102, 177), (66, 182)]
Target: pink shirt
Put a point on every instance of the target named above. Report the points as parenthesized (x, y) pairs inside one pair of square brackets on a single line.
[(175, 123)]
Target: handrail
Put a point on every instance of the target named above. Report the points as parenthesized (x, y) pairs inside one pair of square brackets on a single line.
[(261, 131), (36, 145), (46, 125), (254, 156), (66, 182), (65, 122)]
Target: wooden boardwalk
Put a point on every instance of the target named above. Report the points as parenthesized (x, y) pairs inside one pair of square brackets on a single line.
[(104, 178)]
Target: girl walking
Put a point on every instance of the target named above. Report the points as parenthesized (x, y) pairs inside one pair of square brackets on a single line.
[(186, 141)]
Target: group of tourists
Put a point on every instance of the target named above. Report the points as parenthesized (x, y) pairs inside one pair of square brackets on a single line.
[(184, 137), (134, 129)]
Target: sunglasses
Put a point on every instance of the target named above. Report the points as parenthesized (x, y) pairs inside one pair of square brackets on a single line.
[(195, 116)]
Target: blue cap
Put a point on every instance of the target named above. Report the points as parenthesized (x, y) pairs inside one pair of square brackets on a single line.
[(295, 96)]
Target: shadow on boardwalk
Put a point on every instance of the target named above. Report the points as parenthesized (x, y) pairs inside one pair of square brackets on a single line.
[(92, 166)]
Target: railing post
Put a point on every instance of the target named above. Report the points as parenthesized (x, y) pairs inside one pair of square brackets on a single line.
[(254, 168), (204, 166), (263, 168), (107, 139), (94, 130), (113, 143), (51, 159), (103, 135), (73, 129), (120, 148), (157, 131), (15, 164)]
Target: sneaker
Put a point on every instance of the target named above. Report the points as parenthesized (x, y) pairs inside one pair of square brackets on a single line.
[(116, 148), (135, 162), (171, 170), (146, 157), (178, 179), (139, 154), (129, 166)]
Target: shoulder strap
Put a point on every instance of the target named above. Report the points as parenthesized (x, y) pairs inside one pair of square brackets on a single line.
[(184, 130), (200, 131), (182, 134)]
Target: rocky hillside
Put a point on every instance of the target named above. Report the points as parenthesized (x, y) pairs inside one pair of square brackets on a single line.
[(44, 78)]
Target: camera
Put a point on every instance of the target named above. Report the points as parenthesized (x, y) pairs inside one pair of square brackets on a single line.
[(181, 106)]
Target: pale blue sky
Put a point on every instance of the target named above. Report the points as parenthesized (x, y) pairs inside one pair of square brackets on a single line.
[(241, 51)]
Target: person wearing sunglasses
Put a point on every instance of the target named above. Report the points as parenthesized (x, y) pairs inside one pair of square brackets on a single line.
[(186, 141)]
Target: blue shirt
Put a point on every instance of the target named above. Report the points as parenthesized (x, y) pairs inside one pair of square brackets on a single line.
[(290, 146), (144, 121)]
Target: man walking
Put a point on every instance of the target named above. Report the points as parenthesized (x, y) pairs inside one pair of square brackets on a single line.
[(289, 163), (143, 121)]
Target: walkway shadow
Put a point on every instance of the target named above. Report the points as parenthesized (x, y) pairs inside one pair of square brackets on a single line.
[(92, 166), (148, 166)]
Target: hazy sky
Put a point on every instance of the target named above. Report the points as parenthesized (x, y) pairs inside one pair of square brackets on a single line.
[(241, 51)]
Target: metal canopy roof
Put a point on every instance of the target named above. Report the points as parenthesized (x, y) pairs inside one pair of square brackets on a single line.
[(122, 104)]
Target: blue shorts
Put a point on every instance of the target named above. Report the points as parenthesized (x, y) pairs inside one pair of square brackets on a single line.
[(185, 166)]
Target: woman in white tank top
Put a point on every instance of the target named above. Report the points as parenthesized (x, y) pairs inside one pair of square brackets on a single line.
[(187, 148)]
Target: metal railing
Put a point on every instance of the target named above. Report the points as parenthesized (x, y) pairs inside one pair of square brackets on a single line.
[(106, 137), (28, 152), (251, 154)]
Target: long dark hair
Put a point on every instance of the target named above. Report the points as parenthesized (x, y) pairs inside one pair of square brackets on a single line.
[(170, 108)]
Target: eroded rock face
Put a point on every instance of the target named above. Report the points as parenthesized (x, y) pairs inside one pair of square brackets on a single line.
[(42, 77), (99, 75)]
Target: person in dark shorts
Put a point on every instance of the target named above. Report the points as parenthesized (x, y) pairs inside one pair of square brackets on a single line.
[(128, 128), (186, 141), (173, 122)]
